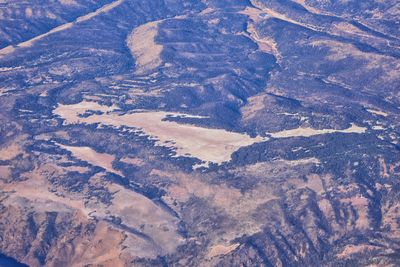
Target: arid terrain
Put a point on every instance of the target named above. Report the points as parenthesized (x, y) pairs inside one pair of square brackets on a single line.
[(199, 133)]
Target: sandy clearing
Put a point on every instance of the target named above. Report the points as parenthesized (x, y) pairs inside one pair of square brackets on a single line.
[(383, 168), (4, 69), (307, 132), (89, 155), (209, 145), (311, 160), (71, 112), (378, 128), (68, 2), (28, 12), (7, 50), (221, 250), (144, 48), (377, 112)]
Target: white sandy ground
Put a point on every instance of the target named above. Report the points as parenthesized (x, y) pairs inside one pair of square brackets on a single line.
[(104, 9), (208, 145), (307, 132), (377, 112), (91, 156), (144, 48), (221, 249)]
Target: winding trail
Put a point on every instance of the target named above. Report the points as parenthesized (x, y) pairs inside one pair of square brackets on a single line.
[(104, 9)]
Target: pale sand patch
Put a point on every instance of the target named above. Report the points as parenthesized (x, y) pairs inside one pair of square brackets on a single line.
[(377, 112), (51, 15), (221, 249), (70, 112), (203, 164), (207, 11), (378, 127), (144, 48), (307, 132), (311, 160), (4, 69), (28, 12), (209, 145), (383, 168), (7, 50), (48, 136), (92, 157), (68, 2)]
